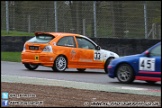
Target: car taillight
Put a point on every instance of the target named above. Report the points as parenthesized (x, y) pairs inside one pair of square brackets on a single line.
[(47, 49)]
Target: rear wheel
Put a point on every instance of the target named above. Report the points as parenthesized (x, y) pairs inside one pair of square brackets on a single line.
[(106, 64), (81, 70), (60, 64), (31, 66), (125, 73)]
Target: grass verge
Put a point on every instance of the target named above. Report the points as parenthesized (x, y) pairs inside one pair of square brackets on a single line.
[(11, 56), (15, 33)]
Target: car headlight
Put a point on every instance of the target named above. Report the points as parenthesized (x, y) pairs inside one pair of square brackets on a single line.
[(47, 48)]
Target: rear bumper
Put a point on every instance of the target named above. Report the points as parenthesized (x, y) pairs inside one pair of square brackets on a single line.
[(45, 59)]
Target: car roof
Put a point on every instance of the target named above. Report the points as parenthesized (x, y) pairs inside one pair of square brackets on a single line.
[(56, 34)]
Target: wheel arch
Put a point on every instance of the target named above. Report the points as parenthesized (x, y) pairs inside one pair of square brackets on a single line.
[(106, 63), (109, 59), (123, 63)]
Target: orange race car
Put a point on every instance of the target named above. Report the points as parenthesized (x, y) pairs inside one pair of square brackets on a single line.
[(64, 50)]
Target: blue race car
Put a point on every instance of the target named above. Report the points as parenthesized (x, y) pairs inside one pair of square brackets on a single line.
[(145, 66)]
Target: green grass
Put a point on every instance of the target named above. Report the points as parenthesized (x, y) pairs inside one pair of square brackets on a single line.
[(11, 56), (15, 33)]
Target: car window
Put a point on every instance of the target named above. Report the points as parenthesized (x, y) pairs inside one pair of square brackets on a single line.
[(66, 41), (156, 51), (41, 39), (85, 43)]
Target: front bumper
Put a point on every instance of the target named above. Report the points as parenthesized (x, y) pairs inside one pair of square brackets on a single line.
[(111, 71)]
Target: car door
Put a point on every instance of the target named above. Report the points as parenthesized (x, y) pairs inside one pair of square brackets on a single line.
[(156, 53), (151, 62), (150, 65), (66, 46), (87, 53)]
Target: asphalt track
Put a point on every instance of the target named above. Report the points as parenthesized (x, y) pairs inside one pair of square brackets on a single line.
[(91, 79)]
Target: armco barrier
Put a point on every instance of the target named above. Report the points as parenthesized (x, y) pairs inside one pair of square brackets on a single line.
[(120, 46)]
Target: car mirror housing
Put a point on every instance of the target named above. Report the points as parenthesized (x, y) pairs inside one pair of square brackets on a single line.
[(147, 53), (98, 47)]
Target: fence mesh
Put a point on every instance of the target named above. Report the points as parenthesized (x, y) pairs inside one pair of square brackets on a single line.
[(118, 19)]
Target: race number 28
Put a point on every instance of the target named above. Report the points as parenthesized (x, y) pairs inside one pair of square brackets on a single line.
[(147, 64)]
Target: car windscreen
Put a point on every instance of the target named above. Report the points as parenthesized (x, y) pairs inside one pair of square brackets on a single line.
[(41, 39)]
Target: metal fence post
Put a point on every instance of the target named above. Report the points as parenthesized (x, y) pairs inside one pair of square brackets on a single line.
[(84, 27), (145, 19), (55, 11), (159, 29), (29, 25), (153, 31), (7, 18), (94, 18)]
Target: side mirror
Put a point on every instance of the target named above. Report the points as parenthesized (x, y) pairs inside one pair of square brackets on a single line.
[(98, 47), (147, 53)]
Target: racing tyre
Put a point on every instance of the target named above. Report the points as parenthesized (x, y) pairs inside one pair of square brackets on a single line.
[(125, 73), (31, 66), (106, 64), (81, 70), (60, 64)]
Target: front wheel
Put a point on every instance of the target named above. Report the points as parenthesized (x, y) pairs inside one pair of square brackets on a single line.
[(60, 64), (125, 73), (31, 66)]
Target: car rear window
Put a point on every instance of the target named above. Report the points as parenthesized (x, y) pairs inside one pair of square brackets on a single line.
[(41, 39)]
